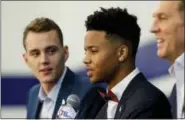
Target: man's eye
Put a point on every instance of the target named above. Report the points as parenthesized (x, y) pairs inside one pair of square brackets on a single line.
[(162, 17), (52, 50), (94, 50), (35, 54)]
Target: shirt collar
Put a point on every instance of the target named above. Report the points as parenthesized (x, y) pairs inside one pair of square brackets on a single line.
[(55, 90), (121, 86), (180, 60), (178, 64)]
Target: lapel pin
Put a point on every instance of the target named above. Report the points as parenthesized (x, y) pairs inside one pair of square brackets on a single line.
[(120, 108), (63, 102)]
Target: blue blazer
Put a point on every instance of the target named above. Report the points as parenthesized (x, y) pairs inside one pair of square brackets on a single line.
[(72, 84)]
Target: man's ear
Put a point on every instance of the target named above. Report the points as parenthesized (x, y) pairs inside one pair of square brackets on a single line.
[(25, 58), (122, 53), (66, 53)]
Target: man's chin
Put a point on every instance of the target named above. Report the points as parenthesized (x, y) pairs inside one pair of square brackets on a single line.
[(94, 81), (48, 81), (160, 54)]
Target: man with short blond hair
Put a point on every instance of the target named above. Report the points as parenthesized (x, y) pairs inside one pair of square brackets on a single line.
[(46, 55)]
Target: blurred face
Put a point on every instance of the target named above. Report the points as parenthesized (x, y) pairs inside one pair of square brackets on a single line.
[(101, 57), (168, 27), (45, 56)]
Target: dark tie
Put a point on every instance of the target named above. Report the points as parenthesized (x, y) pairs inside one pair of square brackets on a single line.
[(39, 109)]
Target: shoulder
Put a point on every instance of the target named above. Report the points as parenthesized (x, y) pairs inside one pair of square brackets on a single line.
[(146, 94), (82, 83), (79, 83), (79, 80), (82, 79), (33, 93), (35, 87), (34, 90), (145, 97), (146, 89), (149, 91)]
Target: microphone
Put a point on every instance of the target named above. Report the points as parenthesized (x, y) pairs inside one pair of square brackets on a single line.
[(70, 109), (74, 101)]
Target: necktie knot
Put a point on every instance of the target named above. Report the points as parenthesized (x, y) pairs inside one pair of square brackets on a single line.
[(109, 96)]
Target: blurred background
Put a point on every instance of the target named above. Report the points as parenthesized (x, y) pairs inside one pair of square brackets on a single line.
[(17, 79)]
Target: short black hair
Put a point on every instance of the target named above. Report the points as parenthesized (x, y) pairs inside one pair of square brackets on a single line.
[(116, 21)]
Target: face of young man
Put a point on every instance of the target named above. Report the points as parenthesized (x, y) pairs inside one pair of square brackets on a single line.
[(101, 58), (168, 27), (45, 56)]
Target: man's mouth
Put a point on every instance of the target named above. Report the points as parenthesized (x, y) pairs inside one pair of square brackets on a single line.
[(159, 42), (46, 70), (89, 72)]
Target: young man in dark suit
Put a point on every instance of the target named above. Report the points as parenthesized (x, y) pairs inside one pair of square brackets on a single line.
[(46, 55), (111, 44)]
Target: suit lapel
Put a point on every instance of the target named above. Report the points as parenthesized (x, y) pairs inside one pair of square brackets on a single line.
[(34, 108), (173, 102), (35, 104), (91, 104), (96, 105), (65, 90), (127, 94)]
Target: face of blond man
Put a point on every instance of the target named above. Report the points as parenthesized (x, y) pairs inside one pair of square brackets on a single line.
[(45, 56)]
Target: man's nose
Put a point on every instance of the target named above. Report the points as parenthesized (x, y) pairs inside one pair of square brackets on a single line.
[(154, 28), (44, 59), (86, 60)]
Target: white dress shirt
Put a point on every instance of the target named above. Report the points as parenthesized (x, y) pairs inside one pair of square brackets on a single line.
[(118, 91), (50, 99), (177, 71)]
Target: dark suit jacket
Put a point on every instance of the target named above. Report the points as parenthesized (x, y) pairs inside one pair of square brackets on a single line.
[(141, 99), (173, 101), (72, 84)]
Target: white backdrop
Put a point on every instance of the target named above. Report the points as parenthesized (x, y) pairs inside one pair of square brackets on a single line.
[(69, 15)]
